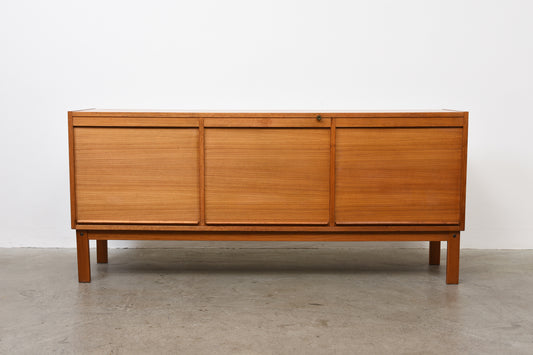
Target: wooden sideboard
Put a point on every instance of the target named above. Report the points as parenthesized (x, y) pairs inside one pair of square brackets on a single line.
[(287, 176)]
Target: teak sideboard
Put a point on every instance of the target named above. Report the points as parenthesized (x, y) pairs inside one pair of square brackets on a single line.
[(287, 176)]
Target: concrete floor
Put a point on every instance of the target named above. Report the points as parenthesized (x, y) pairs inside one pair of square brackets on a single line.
[(273, 300)]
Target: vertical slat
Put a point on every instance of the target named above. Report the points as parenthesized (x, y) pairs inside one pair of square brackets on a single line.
[(434, 253), (452, 261), (462, 206), (71, 171), (332, 175), (101, 251), (201, 165), (84, 264)]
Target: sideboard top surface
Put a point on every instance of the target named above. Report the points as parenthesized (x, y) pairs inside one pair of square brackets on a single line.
[(93, 112)]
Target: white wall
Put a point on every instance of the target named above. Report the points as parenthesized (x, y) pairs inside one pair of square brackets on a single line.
[(248, 55)]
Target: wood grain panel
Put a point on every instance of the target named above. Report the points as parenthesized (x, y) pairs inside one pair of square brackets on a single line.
[(398, 175), (267, 176), (136, 175)]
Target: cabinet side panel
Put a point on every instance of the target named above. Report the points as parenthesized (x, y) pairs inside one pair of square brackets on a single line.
[(71, 172), (267, 176), (464, 169), (137, 175), (398, 175)]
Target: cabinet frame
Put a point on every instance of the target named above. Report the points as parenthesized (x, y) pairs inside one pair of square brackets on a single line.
[(305, 232)]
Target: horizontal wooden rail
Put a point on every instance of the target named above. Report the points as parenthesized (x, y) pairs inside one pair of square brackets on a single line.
[(383, 122), (135, 122), (265, 228), (268, 122), (240, 236), (271, 114)]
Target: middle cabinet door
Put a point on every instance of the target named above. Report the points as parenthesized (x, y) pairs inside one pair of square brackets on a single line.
[(267, 175)]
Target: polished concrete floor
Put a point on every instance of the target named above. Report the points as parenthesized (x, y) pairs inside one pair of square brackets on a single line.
[(275, 299)]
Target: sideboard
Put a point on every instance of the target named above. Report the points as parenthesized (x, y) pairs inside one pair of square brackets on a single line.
[(268, 176)]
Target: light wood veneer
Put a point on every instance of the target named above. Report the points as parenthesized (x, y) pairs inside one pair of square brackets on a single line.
[(298, 176), (267, 176), (398, 176), (136, 175)]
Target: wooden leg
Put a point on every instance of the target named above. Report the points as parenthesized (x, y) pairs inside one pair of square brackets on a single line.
[(434, 253), (101, 251), (452, 261), (84, 264)]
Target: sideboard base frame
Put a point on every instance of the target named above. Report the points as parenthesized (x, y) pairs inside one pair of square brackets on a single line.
[(451, 238)]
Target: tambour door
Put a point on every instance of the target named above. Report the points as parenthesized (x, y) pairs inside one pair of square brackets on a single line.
[(136, 175), (398, 175), (266, 175)]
